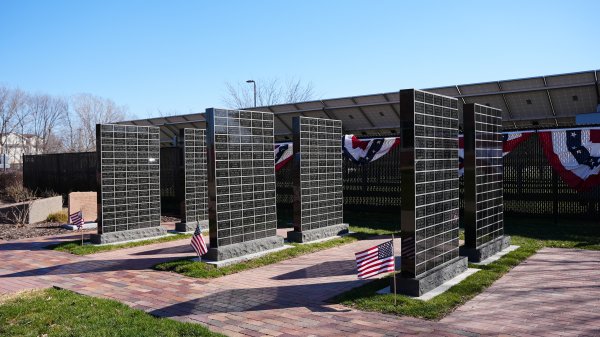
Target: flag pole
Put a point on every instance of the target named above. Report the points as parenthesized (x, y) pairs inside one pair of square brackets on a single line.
[(394, 274), (83, 222), (198, 225)]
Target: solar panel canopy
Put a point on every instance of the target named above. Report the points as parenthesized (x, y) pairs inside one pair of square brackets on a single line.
[(429, 185), (318, 187), (241, 181), (129, 180), (541, 101), (483, 213), (194, 208)]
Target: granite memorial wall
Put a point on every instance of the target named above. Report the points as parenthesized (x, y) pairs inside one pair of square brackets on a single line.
[(317, 174), (128, 175), (193, 193), (483, 191), (429, 190), (241, 183)]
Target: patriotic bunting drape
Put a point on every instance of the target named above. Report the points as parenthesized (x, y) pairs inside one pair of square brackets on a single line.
[(512, 139), (574, 154), (363, 151), (283, 154)]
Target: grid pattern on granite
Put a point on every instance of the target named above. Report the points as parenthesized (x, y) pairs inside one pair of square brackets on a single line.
[(241, 176), (318, 171), (429, 181), (194, 161), (129, 177)]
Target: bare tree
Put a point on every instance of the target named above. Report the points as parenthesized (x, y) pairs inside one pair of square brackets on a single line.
[(89, 110), (12, 103), (268, 92), (45, 114)]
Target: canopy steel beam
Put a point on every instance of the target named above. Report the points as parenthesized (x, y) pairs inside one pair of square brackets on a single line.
[(363, 113), (550, 100), (508, 110), (396, 111), (460, 93), (280, 119)]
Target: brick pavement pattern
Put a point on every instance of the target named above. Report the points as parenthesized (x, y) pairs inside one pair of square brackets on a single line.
[(554, 293)]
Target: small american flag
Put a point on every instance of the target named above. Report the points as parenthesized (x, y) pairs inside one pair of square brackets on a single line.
[(76, 219), (198, 242), (375, 260)]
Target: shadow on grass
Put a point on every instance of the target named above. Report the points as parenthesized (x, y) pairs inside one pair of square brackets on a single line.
[(377, 220), (566, 233)]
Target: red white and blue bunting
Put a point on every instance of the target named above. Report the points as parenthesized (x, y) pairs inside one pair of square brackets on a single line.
[(574, 154), (512, 139), (364, 151), (283, 154)]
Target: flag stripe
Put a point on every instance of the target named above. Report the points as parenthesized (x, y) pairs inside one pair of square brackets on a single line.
[(376, 264), (198, 242), (375, 260)]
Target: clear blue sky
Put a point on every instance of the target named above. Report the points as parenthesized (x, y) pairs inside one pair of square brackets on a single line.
[(176, 55)]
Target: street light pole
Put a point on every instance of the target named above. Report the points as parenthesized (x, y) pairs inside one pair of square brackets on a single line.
[(254, 83)]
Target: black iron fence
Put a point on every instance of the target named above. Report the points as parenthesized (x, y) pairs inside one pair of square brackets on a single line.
[(531, 186), (60, 172)]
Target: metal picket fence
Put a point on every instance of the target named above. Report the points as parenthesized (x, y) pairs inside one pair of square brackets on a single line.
[(531, 186)]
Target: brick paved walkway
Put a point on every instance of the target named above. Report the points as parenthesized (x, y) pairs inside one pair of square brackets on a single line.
[(288, 298)]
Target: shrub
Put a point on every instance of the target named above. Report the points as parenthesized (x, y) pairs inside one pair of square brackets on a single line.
[(61, 217), (18, 193), (10, 178)]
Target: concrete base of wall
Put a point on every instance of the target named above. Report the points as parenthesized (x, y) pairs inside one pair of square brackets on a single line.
[(134, 234), (243, 248), (418, 286), (486, 250), (317, 234), (184, 227)]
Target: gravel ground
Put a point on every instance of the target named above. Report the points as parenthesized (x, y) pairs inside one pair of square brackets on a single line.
[(169, 219), (13, 232)]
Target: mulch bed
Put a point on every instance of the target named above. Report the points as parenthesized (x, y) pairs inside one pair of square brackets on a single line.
[(13, 232)]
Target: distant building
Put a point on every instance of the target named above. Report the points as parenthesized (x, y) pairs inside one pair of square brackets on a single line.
[(15, 145)]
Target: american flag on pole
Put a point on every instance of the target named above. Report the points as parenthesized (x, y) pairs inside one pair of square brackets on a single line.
[(76, 219), (375, 260), (198, 242)]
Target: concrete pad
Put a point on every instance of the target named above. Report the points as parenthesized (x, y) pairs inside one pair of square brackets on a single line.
[(326, 239), (173, 231), (239, 259), (440, 289), (135, 240), (497, 256), (89, 225)]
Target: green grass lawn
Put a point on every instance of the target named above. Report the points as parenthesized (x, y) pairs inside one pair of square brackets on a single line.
[(75, 247), (531, 234), (196, 269), (54, 312)]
